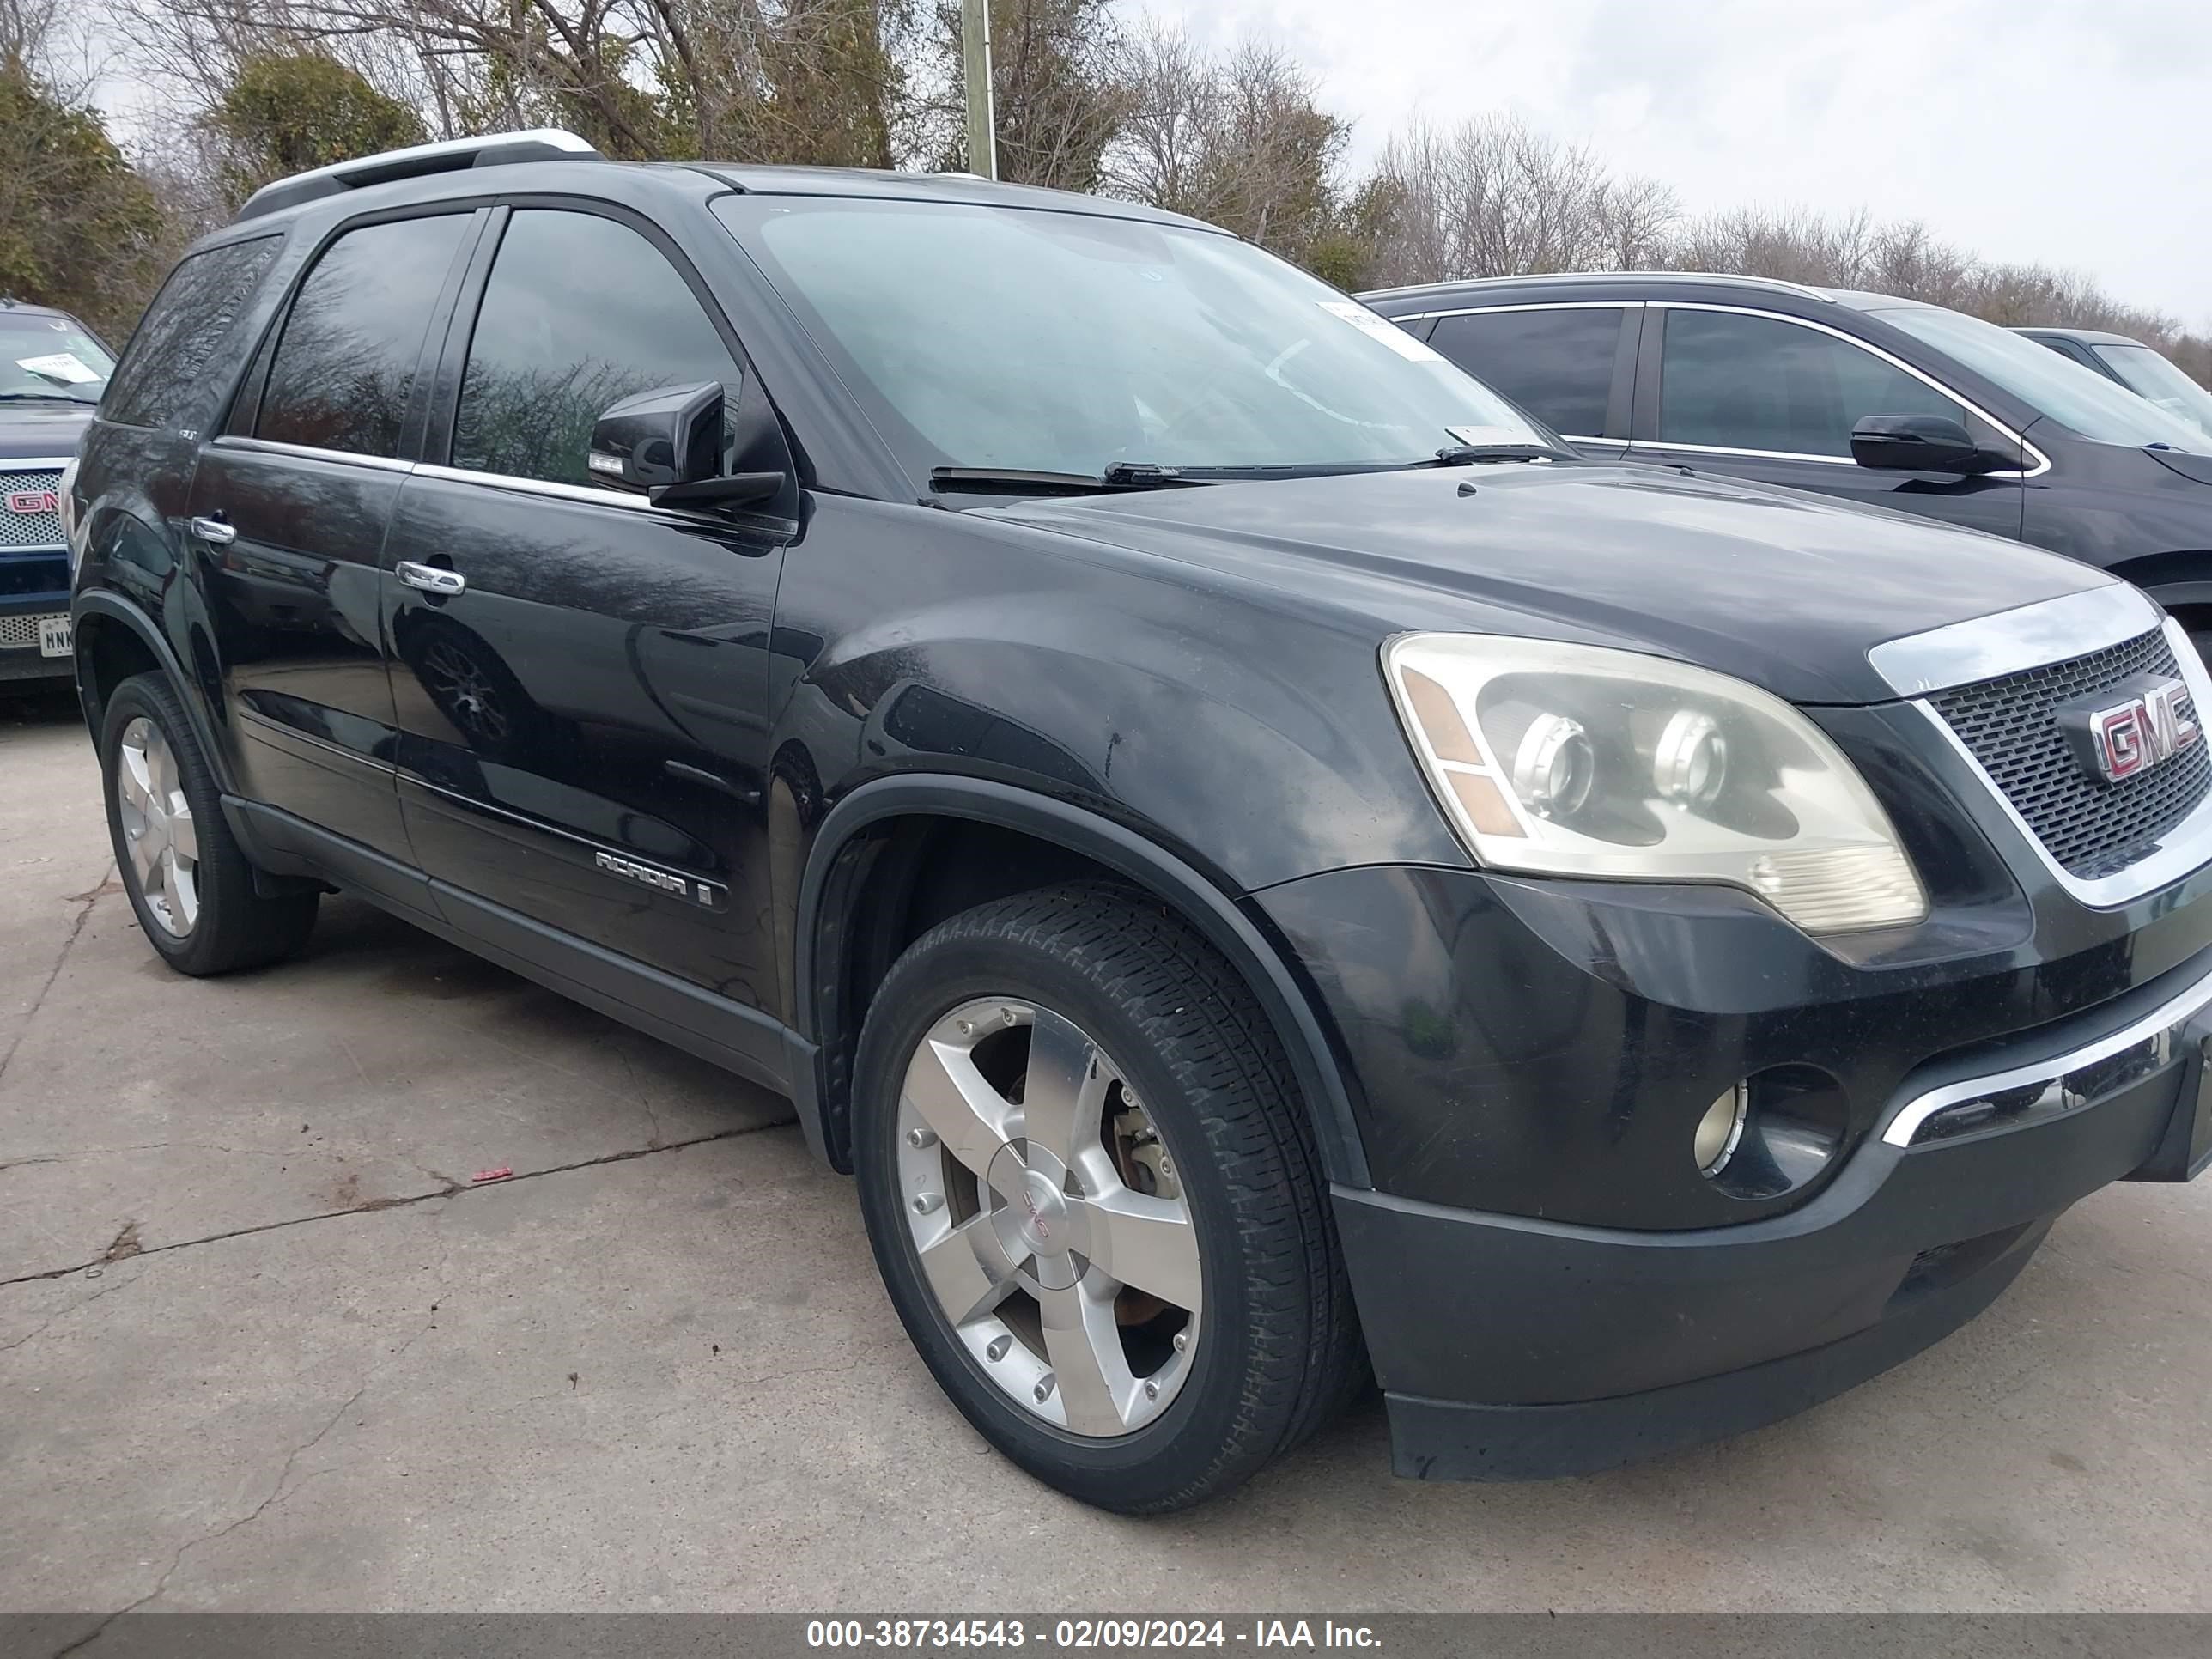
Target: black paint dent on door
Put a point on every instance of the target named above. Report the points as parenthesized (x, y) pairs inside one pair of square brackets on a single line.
[(1771, 398), (583, 721), (288, 515)]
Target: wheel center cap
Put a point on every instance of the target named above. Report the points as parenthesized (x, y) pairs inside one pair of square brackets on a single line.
[(1032, 1215), (1041, 1214)]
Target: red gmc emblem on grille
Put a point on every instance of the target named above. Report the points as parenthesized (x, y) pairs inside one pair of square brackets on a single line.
[(35, 501), (2131, 728)]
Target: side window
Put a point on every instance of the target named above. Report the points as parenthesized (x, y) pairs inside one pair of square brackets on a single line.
[(579, 311), (346, 362), (159, 382), (1733, 381), (1555, 363)]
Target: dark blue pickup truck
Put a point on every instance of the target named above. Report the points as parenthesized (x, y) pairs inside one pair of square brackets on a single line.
[(52, 370)]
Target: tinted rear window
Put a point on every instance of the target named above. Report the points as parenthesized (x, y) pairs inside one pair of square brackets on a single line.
[(163, 381), (1555, 363), (346, 362)]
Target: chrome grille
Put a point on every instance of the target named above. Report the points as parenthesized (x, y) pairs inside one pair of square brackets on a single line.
[(2090, 827), (29, 529)]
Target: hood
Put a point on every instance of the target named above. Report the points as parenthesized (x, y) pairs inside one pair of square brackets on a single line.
[(42, 431), (1785, 590)]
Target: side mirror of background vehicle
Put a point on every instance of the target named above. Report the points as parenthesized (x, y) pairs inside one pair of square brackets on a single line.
[(1924, 443), (668, 443)]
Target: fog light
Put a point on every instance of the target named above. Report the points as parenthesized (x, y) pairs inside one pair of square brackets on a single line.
[(1721, 1129)]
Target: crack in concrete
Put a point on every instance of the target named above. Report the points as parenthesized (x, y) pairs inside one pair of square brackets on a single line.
[(283, 1486), (60, 1314), (652, 1117), (85, 903), (372, 1206)]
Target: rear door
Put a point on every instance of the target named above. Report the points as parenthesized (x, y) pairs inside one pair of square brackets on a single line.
[(1571, 365), (288, 513), (584, 714), (1773, 399)]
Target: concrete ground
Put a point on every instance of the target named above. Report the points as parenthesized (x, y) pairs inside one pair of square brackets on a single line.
[(257, 1353)]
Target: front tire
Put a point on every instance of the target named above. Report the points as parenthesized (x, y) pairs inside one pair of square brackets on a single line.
[(189, 884), (1095, 1198)]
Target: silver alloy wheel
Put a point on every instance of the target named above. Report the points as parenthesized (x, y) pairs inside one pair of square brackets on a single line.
[(1049, 1219), (157, 827)]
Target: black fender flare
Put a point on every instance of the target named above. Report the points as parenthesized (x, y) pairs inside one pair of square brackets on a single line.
[(826, 889), (105, 602)]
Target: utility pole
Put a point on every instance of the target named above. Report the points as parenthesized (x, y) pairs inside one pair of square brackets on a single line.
[(975, 67)]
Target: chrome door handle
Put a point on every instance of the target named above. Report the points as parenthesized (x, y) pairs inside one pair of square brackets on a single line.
[(430, 579), (213, 531)]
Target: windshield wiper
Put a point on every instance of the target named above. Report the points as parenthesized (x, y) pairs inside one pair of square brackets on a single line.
[(1476, 454), (1122, 475), (43, 398)]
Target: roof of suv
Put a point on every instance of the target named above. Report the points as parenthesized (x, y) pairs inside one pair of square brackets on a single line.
[(1396, 299), (449, 162), (2086, 336)]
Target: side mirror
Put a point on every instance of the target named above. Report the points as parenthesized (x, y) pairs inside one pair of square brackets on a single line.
[(668, 443), (670, 436), (1923, 443)]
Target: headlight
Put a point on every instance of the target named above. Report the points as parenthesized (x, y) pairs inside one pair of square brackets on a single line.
[(1575, 760)]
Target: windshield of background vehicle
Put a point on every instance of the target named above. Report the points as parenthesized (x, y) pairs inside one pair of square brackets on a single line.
[(2160, 380), (51, 357), (1066, 341), (2069, 393)]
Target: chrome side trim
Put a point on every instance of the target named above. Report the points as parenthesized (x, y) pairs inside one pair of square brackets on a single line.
[(2011, 642), (2042, 461), (2181, 851), (1731, 449), (2159, 1028), (272, 446), (566, 492)]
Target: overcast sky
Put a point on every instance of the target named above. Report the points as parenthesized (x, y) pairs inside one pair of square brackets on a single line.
[(2073, 132)]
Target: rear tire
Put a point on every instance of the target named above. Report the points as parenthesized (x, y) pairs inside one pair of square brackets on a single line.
[(189, 884), (1216, 1348)]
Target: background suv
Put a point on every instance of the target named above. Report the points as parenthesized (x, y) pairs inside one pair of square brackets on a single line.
[(1881, 401), (1257, 860), (53, 371), (2145, 372)]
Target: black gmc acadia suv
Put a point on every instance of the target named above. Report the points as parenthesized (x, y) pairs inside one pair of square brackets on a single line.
[(1874, 399), (1258, 861)]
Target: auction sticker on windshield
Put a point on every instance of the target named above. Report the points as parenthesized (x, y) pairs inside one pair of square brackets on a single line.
[(1375, 327), (60, 366)]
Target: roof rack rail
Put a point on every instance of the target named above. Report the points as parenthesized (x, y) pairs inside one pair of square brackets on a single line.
[(446, 155), (1607, 277)]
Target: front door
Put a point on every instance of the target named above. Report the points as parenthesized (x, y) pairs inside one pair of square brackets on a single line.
[(288, 514), (580, 678), (1771, 398)]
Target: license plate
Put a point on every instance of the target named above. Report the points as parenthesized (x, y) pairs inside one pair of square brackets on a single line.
[(53, 637)]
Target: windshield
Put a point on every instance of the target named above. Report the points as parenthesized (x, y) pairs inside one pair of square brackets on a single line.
[(1053, 341), (2069, 393), (51, 358), (2161, 381)]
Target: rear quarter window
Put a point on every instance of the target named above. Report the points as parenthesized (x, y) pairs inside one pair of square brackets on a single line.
[(163, 381)]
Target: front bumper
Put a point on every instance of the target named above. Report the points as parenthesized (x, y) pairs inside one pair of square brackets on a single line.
[(1516, 1338)]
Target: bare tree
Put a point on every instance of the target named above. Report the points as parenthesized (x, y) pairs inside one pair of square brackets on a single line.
[(1493, 197)]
